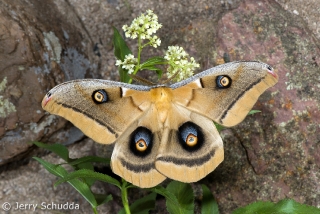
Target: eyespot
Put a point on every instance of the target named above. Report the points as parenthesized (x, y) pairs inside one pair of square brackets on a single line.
[(190, 136), (141, 145), (269, 68), (191, 140), (100, 96), (48, 94), (141, 141), (223, 81)]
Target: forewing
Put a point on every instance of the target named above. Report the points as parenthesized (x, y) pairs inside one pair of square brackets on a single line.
[(227, 105), (105, 121)]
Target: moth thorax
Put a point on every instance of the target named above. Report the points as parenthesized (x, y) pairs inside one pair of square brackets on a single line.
[(162, 99), (161, 95)]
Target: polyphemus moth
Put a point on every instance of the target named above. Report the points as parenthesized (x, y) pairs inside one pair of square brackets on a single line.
[(163, 131)]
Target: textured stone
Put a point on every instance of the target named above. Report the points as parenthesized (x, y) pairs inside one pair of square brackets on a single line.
[(37, 52), (281, 143), (270, 156)]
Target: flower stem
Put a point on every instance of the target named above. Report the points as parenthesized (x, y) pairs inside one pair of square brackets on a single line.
[(95, 211), (124, 197), (139, 49), (139, 54)]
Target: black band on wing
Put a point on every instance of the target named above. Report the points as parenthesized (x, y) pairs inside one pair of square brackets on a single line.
[(224, 114), (100, 96), (190, 136), (138, 168), (190, 162), (141, 142), (101, 122)]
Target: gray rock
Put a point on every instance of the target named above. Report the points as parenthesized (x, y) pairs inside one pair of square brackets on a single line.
[(270, 156)]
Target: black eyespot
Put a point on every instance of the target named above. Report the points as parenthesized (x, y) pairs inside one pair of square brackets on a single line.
[(190, 136), (223, 81), (100, 96), (141, 141), (48, 94)]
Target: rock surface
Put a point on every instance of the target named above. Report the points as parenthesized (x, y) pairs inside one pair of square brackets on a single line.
[(270, 156), (38, 51)]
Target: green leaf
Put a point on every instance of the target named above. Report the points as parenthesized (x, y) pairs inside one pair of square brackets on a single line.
[(159, 73), (142, 205), (86, 165), (208, 204), (157, 60), (89, 159), (254, 112), (150, 63), (286, 206), (58, 149), (81, 187), (168, 195), (85, 191), (120, 51), (89, 166), (120, 47), (257, 207), (124, 76), (219, 127), (56, 170), (153, 68), (184, 194), (290, 206), (102, 198), (86, 173)]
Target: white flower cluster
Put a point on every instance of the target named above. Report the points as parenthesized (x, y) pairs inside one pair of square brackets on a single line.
[(128, 63), (178, 61), (144, 26)]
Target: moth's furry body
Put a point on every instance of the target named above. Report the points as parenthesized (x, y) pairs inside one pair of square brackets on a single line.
[(163, 131)]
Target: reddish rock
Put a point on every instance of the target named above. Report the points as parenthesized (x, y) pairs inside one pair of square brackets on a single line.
[(281, 143)]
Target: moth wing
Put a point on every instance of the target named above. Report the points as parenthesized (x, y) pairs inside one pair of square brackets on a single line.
[(104, 122), (227, 105), (190, 147), (135, 162)]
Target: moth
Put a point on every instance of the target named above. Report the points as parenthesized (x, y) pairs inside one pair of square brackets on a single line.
[(163, 131)]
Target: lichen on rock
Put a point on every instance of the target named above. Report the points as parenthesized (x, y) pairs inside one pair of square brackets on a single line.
[(6, 107), (53, 45)]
